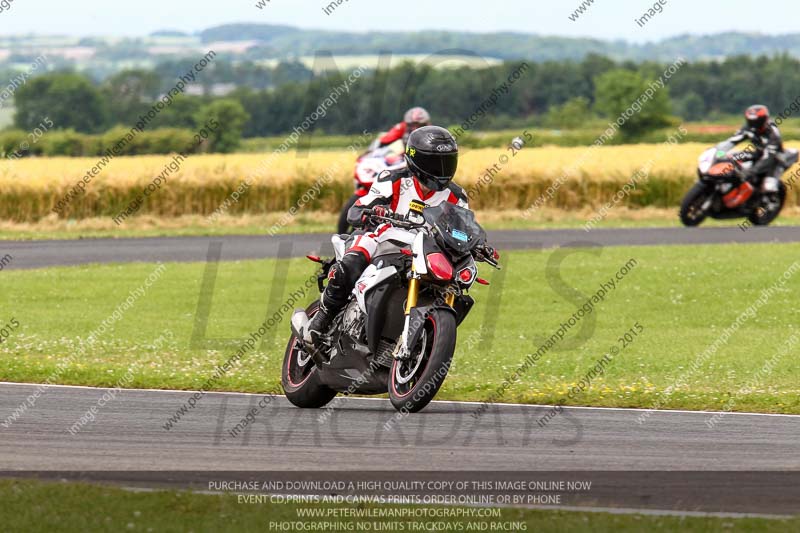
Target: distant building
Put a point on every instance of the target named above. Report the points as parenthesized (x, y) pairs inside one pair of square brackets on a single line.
[(216, 89)]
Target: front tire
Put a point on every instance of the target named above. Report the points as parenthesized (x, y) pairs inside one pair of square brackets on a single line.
[(692, 213), (414, 382), (300, 377)]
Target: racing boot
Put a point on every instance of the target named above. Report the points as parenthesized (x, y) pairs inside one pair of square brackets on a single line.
[(341, 280), (315, 334)]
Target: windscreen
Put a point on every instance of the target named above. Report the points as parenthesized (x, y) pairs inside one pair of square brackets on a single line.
[(455, 227)]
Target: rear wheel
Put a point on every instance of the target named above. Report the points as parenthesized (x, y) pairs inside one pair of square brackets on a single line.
[(300, 377), (415, 381), (770, 207), (692, 212)]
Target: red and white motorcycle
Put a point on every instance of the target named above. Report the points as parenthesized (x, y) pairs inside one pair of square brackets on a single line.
[(367, 169)]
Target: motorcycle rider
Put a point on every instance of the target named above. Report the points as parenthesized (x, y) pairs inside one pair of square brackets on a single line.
[(432, 157), (765, 137), (415, 118)]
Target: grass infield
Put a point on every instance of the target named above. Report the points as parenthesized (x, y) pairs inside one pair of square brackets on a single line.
[(48, 506), (663, 318), (325, 222)]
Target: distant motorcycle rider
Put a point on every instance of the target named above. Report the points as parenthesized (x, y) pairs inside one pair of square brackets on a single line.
[(415, 118), (765, 137), (432, 157)]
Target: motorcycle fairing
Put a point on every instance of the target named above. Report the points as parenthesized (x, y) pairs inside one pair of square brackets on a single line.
[(385, 318), (371, 278), (462, 306), (420, 266)]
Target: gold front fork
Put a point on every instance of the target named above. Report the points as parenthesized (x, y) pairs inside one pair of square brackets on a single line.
[(401, 351), (450, 298), (413, 292)]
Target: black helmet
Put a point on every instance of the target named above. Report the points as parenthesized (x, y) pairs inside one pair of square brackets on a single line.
[(757, 117), (432, 156)]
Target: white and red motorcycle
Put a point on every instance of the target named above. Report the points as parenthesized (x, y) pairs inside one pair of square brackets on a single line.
[(368, 167), (397, 333)]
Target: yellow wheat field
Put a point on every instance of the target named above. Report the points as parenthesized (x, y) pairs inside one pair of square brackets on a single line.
[(497, 179)]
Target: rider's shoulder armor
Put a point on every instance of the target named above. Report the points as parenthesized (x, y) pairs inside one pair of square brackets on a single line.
[(393, 175)]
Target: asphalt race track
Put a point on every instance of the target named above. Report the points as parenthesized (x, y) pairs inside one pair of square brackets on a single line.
[(40, 254), (661, 461), (128, 439)]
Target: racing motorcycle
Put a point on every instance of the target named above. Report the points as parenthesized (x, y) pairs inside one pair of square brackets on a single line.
[(368, 167), (397, 334), (722, 192)]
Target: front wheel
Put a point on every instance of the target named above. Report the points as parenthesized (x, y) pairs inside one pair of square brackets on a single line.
[(770, 208), (343, 226), (415, 381), (300, 377), (692, 212)]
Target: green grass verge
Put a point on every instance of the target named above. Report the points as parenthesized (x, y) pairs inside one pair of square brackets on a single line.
[(326, 222), (66, 507), (683, 296)]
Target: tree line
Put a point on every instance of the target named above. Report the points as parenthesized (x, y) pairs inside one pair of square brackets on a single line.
[(556, 95)]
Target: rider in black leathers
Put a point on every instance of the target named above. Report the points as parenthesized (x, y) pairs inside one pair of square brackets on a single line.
[(765, 137)]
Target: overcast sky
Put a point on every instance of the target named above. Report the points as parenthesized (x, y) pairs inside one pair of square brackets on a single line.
[(609, 19)]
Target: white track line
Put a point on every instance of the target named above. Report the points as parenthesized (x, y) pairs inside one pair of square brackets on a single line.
[(522, 405)]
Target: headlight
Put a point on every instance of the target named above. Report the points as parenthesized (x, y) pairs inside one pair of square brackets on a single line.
[(439, 266)]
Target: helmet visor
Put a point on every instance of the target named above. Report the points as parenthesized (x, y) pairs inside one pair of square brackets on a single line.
[(437, 165), (757, 122)]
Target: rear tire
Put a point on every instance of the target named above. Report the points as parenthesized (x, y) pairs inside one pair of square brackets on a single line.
[(343, 226), (691, 212), (300, 377), (763, 217), (435, 348)]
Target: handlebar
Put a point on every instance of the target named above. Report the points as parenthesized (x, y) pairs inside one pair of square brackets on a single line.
[(481, 253), (485, 255), (398, 221)]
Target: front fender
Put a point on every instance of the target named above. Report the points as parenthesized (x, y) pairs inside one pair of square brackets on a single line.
[(462, 306), (417, 321)]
